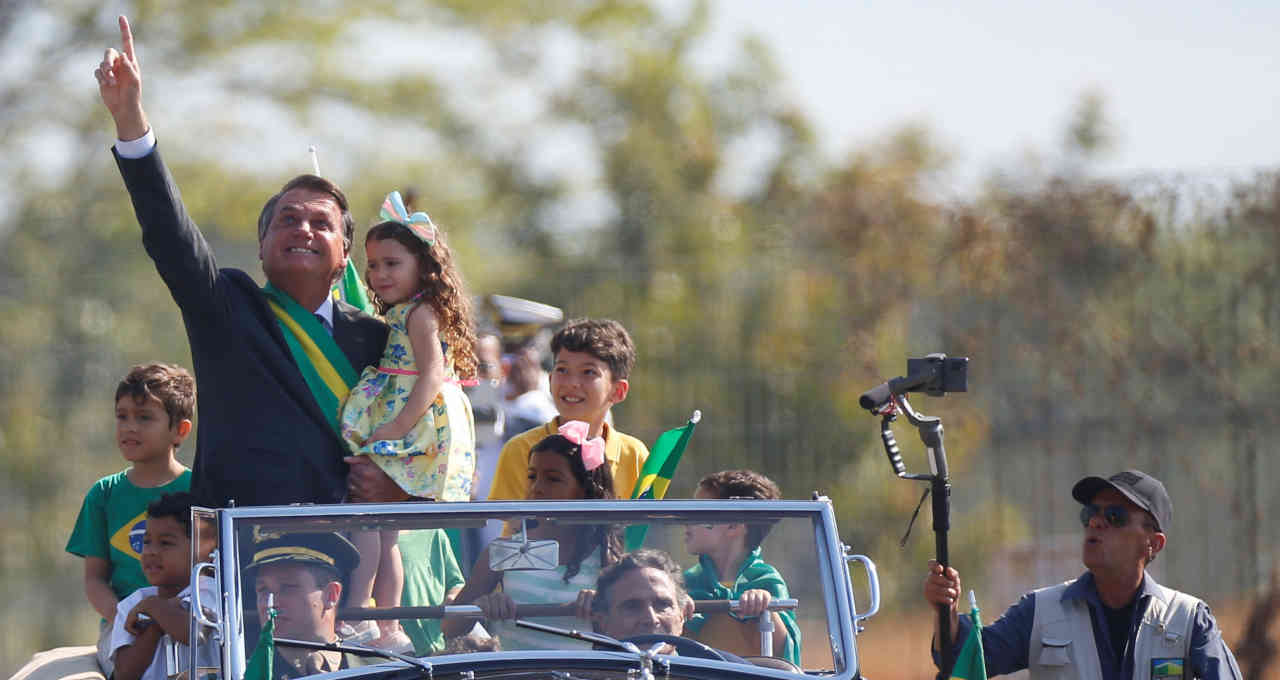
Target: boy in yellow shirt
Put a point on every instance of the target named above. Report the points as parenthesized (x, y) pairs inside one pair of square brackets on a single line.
[(593, 360)]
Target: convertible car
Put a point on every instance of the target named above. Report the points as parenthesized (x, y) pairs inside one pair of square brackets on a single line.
[(544, 637)]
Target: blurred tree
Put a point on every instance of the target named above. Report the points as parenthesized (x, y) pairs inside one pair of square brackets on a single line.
[(578, 156)]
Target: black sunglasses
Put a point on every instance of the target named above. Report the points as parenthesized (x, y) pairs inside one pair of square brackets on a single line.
[(1115, 515)]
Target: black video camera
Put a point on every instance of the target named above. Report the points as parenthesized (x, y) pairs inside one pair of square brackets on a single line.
[(934, 374), (949, 374)]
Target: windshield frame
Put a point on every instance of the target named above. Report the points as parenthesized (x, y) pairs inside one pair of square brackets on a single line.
[(837, 591)]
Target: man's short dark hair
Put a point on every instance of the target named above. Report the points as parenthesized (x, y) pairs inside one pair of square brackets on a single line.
[(171, 384), (319, 185), (604, 339), (645, 558), (176, 506), (743, 484)]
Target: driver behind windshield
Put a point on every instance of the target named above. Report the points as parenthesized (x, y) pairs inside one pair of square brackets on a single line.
[(304, 571), (642, 594), (564, 466)]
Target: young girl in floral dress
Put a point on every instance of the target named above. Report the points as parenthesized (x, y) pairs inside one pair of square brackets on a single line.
[(409, 413)]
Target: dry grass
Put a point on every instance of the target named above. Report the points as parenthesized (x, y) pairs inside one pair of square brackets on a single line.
[(897, 648)]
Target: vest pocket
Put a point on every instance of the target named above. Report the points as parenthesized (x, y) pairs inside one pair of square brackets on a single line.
[(1054, 652)]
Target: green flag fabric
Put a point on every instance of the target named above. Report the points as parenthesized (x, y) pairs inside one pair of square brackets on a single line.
[(260, 666), (659, 468), (970, 664), (350, 289)]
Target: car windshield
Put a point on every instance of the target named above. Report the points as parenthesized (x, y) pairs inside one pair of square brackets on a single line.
[(674, 572)]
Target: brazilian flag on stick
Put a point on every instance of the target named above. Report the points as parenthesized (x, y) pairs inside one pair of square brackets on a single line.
[(659, 469), (970, 664), (260, 666), (350, 287)]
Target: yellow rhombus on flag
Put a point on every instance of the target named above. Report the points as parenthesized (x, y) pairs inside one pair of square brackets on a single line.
[(659, 469)]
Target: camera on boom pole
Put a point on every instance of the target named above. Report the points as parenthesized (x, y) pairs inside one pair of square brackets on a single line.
[(935, 375)]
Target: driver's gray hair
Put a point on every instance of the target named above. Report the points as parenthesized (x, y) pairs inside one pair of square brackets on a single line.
[(645, 558)]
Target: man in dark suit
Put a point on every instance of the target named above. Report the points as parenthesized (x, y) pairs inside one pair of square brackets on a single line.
[(264, 437)]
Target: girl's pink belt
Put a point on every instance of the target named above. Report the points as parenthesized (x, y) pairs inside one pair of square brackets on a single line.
[(396, 371), (401, 371)]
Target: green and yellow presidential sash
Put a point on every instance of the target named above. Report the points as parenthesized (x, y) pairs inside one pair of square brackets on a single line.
[(326, 370)]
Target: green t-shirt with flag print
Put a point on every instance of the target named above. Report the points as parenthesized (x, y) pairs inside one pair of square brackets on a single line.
[(111, 522)]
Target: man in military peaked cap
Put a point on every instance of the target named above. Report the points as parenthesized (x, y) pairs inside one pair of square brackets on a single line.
[(304, 572)]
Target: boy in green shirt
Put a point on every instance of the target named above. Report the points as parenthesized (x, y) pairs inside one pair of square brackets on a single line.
[(431, 578), (730, 568), (154, 405)]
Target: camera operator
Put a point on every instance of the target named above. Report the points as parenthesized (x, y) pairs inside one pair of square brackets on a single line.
[(1114, 622)]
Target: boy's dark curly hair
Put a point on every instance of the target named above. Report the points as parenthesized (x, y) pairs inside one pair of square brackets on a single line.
[(169, 383), (442, 288), (176, 506), (604, 339), (743, 484), (597, 483)]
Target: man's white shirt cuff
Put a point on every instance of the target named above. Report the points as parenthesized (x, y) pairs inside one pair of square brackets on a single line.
[(136, 148)]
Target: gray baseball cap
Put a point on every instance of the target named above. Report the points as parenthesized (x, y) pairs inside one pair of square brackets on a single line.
[(1141, 488)]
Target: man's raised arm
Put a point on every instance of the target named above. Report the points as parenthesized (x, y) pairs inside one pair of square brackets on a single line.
[(173, 241)]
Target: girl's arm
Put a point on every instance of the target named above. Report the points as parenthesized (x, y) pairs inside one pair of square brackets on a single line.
[(482, 582), (97, 587), (424, 338)]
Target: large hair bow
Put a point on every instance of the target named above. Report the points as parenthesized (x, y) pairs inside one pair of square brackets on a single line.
[(419, 223), (592, 449)]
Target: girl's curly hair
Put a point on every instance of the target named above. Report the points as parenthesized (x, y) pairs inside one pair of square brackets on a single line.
[(597, 483), (442, 288)]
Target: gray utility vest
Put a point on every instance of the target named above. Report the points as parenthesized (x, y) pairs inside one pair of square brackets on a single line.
[(1062, 644)]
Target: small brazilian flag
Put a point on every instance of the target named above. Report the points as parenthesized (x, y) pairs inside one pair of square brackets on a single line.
[(970, 664), (350, 289), (264, 655), (659, 469)]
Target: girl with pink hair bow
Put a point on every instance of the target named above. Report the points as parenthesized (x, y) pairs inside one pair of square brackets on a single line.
[(565, 466)]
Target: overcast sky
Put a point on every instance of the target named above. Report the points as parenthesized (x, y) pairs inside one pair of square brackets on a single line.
[(1190, 87)]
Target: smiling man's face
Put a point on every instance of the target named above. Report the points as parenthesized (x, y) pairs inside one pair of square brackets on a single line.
[(303, 243)]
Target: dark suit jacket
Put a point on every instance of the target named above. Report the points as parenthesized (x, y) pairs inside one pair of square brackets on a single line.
[(262, 438)]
